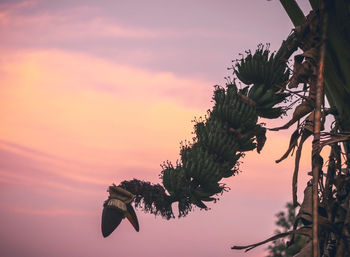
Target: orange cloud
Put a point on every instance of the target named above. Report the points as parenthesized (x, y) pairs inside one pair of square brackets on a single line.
[(57, 103)]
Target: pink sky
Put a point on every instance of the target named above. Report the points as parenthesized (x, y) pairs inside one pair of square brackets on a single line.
[(98, 92)]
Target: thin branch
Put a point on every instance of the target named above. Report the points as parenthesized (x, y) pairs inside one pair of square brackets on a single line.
[(293, 92), (316, 163)]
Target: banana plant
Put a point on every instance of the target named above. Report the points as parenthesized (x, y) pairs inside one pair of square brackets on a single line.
[(335, 16), (231, 128)]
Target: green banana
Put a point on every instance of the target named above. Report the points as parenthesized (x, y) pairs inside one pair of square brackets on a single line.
[(258, 92), (267, 97)]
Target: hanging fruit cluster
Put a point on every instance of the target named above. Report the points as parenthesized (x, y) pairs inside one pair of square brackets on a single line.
[(268, 76), (221, 138)]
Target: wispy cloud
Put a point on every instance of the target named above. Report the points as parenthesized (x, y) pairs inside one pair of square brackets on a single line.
[(25, 180), (88, 28), (28, 162), (60, 92), (79, 24), (57, 109), (69, 70), (52, 211)]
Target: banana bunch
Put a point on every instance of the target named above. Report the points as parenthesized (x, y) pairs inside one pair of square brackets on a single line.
[(237, 116), (215, 136), (269, 76), (266, 98), (221, 138), (232, 110), (201, 165), (260, 68), (198, 169)]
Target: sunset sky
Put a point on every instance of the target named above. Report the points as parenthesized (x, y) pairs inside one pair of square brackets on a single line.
[(96, 92)]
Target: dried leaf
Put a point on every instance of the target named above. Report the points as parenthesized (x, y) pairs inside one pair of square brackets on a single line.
[(305, 231), (309, 122), (301, 231), (251, 246), (260, 138), (304, 136), (293, 142), (299, 112), (306, 33), (302, 71), (297, 69), (305, 212), (328, 196), (334, 139), (312, 53)]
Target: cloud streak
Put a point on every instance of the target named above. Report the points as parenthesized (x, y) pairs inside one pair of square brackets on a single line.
[(52, 212)]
